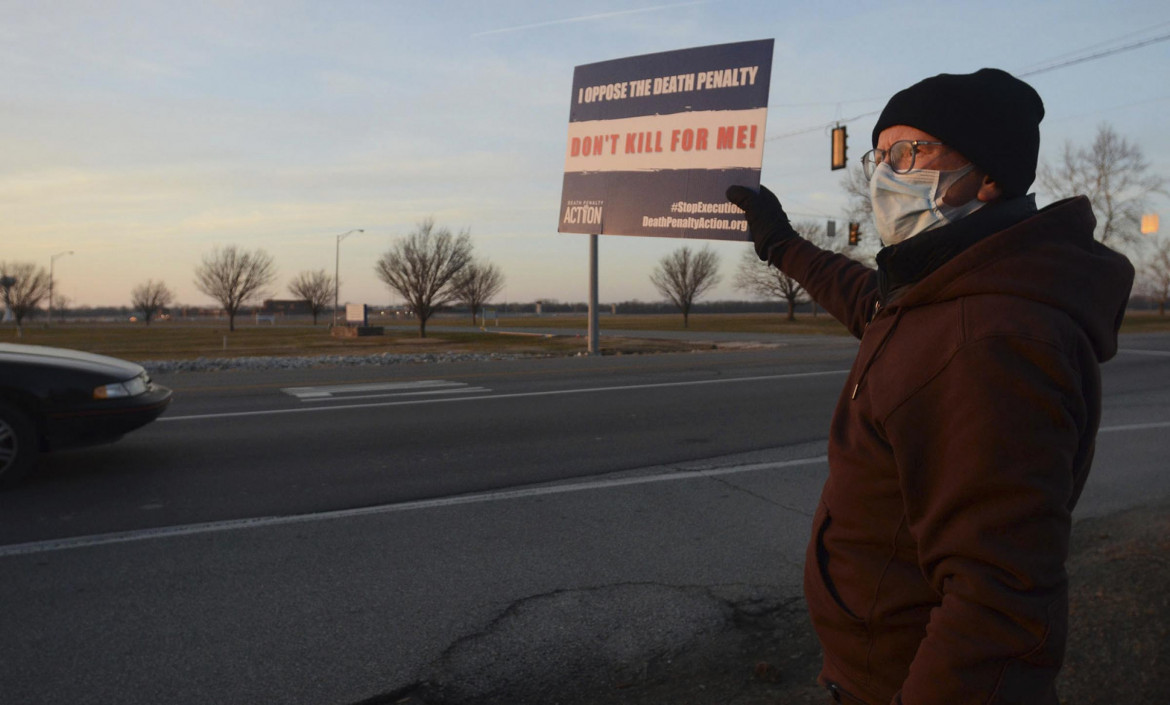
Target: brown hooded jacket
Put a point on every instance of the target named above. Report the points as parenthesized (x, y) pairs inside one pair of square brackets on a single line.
[(958, 449)]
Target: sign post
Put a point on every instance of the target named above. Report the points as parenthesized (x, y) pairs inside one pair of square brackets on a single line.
[(594, 323)]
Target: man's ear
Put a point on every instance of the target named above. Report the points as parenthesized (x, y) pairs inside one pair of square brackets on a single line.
[(989, 190)]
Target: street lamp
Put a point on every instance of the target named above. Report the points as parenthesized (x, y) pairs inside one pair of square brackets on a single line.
[(337, 269), (51, 261)]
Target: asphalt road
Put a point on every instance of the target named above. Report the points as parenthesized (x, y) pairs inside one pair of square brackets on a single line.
[(244, 444), (331, 536)]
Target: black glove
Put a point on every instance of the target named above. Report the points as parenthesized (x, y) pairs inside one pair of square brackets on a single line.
[(767, 221)]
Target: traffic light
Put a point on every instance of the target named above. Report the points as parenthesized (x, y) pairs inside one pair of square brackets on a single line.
[(854, 233), (837, 159)]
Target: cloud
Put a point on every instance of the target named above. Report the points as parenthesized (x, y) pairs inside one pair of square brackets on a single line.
[(587, 18)]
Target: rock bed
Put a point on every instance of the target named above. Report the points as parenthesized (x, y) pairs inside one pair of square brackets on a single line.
[(217, 364)]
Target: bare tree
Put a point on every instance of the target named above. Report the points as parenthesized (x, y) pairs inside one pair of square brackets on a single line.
[(683, 276), (61, 304), (763, 280), (838, 243), (234, 277), (151, 298), (314, 288), (29, 286), (859, 210), (1157, 273), (1113, 173), (423, 266), (476, 285), (856, 187)]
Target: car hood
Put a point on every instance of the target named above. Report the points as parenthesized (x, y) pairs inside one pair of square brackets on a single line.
[(73, 359)]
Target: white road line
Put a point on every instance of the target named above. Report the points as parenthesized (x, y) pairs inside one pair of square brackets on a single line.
[(517, 395), (34, 547), (326, 391), (434, 392), (1135, 427), (1159, 353)]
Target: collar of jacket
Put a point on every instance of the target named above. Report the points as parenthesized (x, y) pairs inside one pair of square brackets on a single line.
[(910, 261)]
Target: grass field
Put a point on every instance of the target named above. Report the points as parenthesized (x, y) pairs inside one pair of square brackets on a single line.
[(186, 340), (703, 323), (173, 340)]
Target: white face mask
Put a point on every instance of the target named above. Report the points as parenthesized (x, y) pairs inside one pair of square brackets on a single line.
[(905, 205)]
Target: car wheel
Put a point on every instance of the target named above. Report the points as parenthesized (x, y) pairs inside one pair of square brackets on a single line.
[(18, 444)]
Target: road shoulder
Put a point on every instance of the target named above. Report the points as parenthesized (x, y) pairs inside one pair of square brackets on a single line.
[(1118, 650)]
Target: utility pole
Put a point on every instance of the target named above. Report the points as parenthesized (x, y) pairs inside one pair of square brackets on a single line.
[(337, 270)]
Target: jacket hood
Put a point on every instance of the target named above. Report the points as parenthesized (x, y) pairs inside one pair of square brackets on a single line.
[(1050, 258)]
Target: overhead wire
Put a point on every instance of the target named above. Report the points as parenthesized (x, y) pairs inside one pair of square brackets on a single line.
[(1115, 107), (821, 127), (1107, 42), (1043, 67), (1098, 55)]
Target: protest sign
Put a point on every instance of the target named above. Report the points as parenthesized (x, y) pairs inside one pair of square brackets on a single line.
[(654, 142)]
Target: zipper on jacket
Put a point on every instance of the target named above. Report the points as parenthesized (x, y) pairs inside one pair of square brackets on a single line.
[(877, 307), (872, 317)]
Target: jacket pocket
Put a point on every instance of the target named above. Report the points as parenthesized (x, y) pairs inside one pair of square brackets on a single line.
[(823, 560), (840, 695)]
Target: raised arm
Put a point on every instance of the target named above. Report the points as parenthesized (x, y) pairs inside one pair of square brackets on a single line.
[(842, 286)]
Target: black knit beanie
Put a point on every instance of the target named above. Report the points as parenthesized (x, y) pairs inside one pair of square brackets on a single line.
[(990, 117)]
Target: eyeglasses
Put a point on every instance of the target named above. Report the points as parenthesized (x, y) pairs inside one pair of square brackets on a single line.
[(901, 155)]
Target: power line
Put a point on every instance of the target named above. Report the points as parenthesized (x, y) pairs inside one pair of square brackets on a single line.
[(1107, 42), (1043, 69), (1098, 55), (818, 103), (1115, 107), (820, 127)]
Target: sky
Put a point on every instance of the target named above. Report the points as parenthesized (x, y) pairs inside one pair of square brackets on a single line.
[(140, 136)]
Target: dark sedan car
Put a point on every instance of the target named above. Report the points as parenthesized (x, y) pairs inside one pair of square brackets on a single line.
[(53, 398)]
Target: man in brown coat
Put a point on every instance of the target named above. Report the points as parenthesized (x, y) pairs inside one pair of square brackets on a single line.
[(965, 431)]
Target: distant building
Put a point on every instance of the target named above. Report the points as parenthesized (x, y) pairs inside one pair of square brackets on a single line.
[(286, 307)]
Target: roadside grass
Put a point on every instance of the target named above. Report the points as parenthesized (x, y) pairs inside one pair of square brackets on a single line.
[(170, 340), (1145, 322), (184, 340), (771, 323)]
